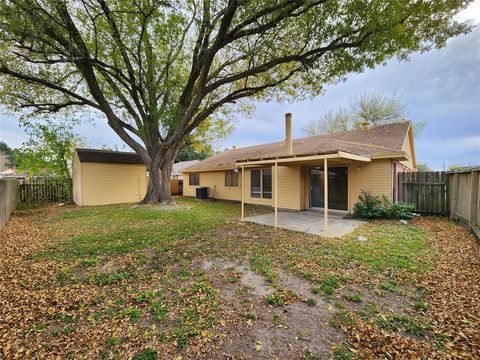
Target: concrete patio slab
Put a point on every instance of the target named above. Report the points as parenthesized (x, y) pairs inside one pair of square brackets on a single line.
[(310, 222)]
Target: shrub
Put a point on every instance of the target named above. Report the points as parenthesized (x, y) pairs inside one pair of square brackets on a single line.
[(372, 206)]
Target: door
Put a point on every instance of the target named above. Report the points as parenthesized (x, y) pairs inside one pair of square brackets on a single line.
[(337, 188)]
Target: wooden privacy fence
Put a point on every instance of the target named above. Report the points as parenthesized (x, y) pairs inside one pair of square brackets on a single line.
[(428, 190), (9, 191), (464, 197), (44, 190), (176, 186)]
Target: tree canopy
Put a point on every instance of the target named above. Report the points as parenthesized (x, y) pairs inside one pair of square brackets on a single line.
[(423, 167), (6, 159), (48, 151), (372, 108), (157, 69)]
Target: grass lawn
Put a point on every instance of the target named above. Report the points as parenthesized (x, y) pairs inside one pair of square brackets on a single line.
[(193, 281)]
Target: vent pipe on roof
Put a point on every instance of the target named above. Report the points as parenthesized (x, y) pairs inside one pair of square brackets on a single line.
[(288, 133)]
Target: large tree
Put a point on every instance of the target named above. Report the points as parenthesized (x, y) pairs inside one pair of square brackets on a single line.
[(157, 69)]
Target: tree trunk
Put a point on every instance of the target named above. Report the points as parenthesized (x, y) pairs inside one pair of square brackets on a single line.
[(158, 190)]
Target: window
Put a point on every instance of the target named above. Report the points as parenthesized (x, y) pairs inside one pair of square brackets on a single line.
[(231, 178), (261, 183), (255, 184), (267, 183), (194, 179)]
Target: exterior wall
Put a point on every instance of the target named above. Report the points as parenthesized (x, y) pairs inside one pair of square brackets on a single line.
[(215, 180), (103, 184), (289, 185), (375, 177), (76, 180), (294, 187)]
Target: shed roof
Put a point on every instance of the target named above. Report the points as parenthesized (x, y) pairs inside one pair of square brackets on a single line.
[(381, 140), (108, 156)]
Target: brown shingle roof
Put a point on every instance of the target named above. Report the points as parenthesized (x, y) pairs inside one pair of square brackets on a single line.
[(379, 140), (107, 156)]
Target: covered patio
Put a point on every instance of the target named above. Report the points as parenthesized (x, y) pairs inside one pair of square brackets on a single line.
[(321, 221), (309, 221)]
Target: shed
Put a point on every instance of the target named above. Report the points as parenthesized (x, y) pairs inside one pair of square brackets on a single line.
[(102, 177)]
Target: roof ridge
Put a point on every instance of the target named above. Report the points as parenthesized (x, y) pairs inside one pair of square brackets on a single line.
[(356, 130), (106, 151), (364, 144)]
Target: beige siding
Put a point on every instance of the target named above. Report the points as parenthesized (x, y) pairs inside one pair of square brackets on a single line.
[(303, 188), (407, 147), (375, 177), (215, 180), (76, 180), (103, 184), (289, 187)]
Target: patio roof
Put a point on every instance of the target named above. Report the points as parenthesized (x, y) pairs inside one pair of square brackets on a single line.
[(305, 158)]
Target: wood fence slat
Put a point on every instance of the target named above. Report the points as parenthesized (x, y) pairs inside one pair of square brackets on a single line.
[(427, 190), (45, 191)]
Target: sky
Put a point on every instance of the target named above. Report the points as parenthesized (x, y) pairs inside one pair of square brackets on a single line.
[(441, 87)]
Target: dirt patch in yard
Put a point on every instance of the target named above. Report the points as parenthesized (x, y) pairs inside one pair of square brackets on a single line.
[(288, 332), (247, 277), (265, 331)]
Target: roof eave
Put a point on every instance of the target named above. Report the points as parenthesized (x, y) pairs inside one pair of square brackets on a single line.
[(333, 155), (400, 156)]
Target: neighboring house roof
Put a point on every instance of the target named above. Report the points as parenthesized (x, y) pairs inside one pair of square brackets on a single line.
[(179, 166), (108, 156), (382, 140)]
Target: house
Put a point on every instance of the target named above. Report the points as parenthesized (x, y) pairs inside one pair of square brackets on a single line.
[(179, 167), (290, 174), (102, 177)]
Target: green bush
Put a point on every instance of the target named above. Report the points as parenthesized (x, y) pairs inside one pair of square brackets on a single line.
[(372, 206)]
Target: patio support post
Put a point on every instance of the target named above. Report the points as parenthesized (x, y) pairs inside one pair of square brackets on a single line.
[(275, 193), (325, 195), (242, 193)]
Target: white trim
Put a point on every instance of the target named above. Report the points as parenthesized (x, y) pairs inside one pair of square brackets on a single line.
[(325, 195), (275, 193), (338, 154), (242, 194)]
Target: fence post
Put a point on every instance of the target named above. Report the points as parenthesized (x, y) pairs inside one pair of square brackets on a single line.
[(473, 197)]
